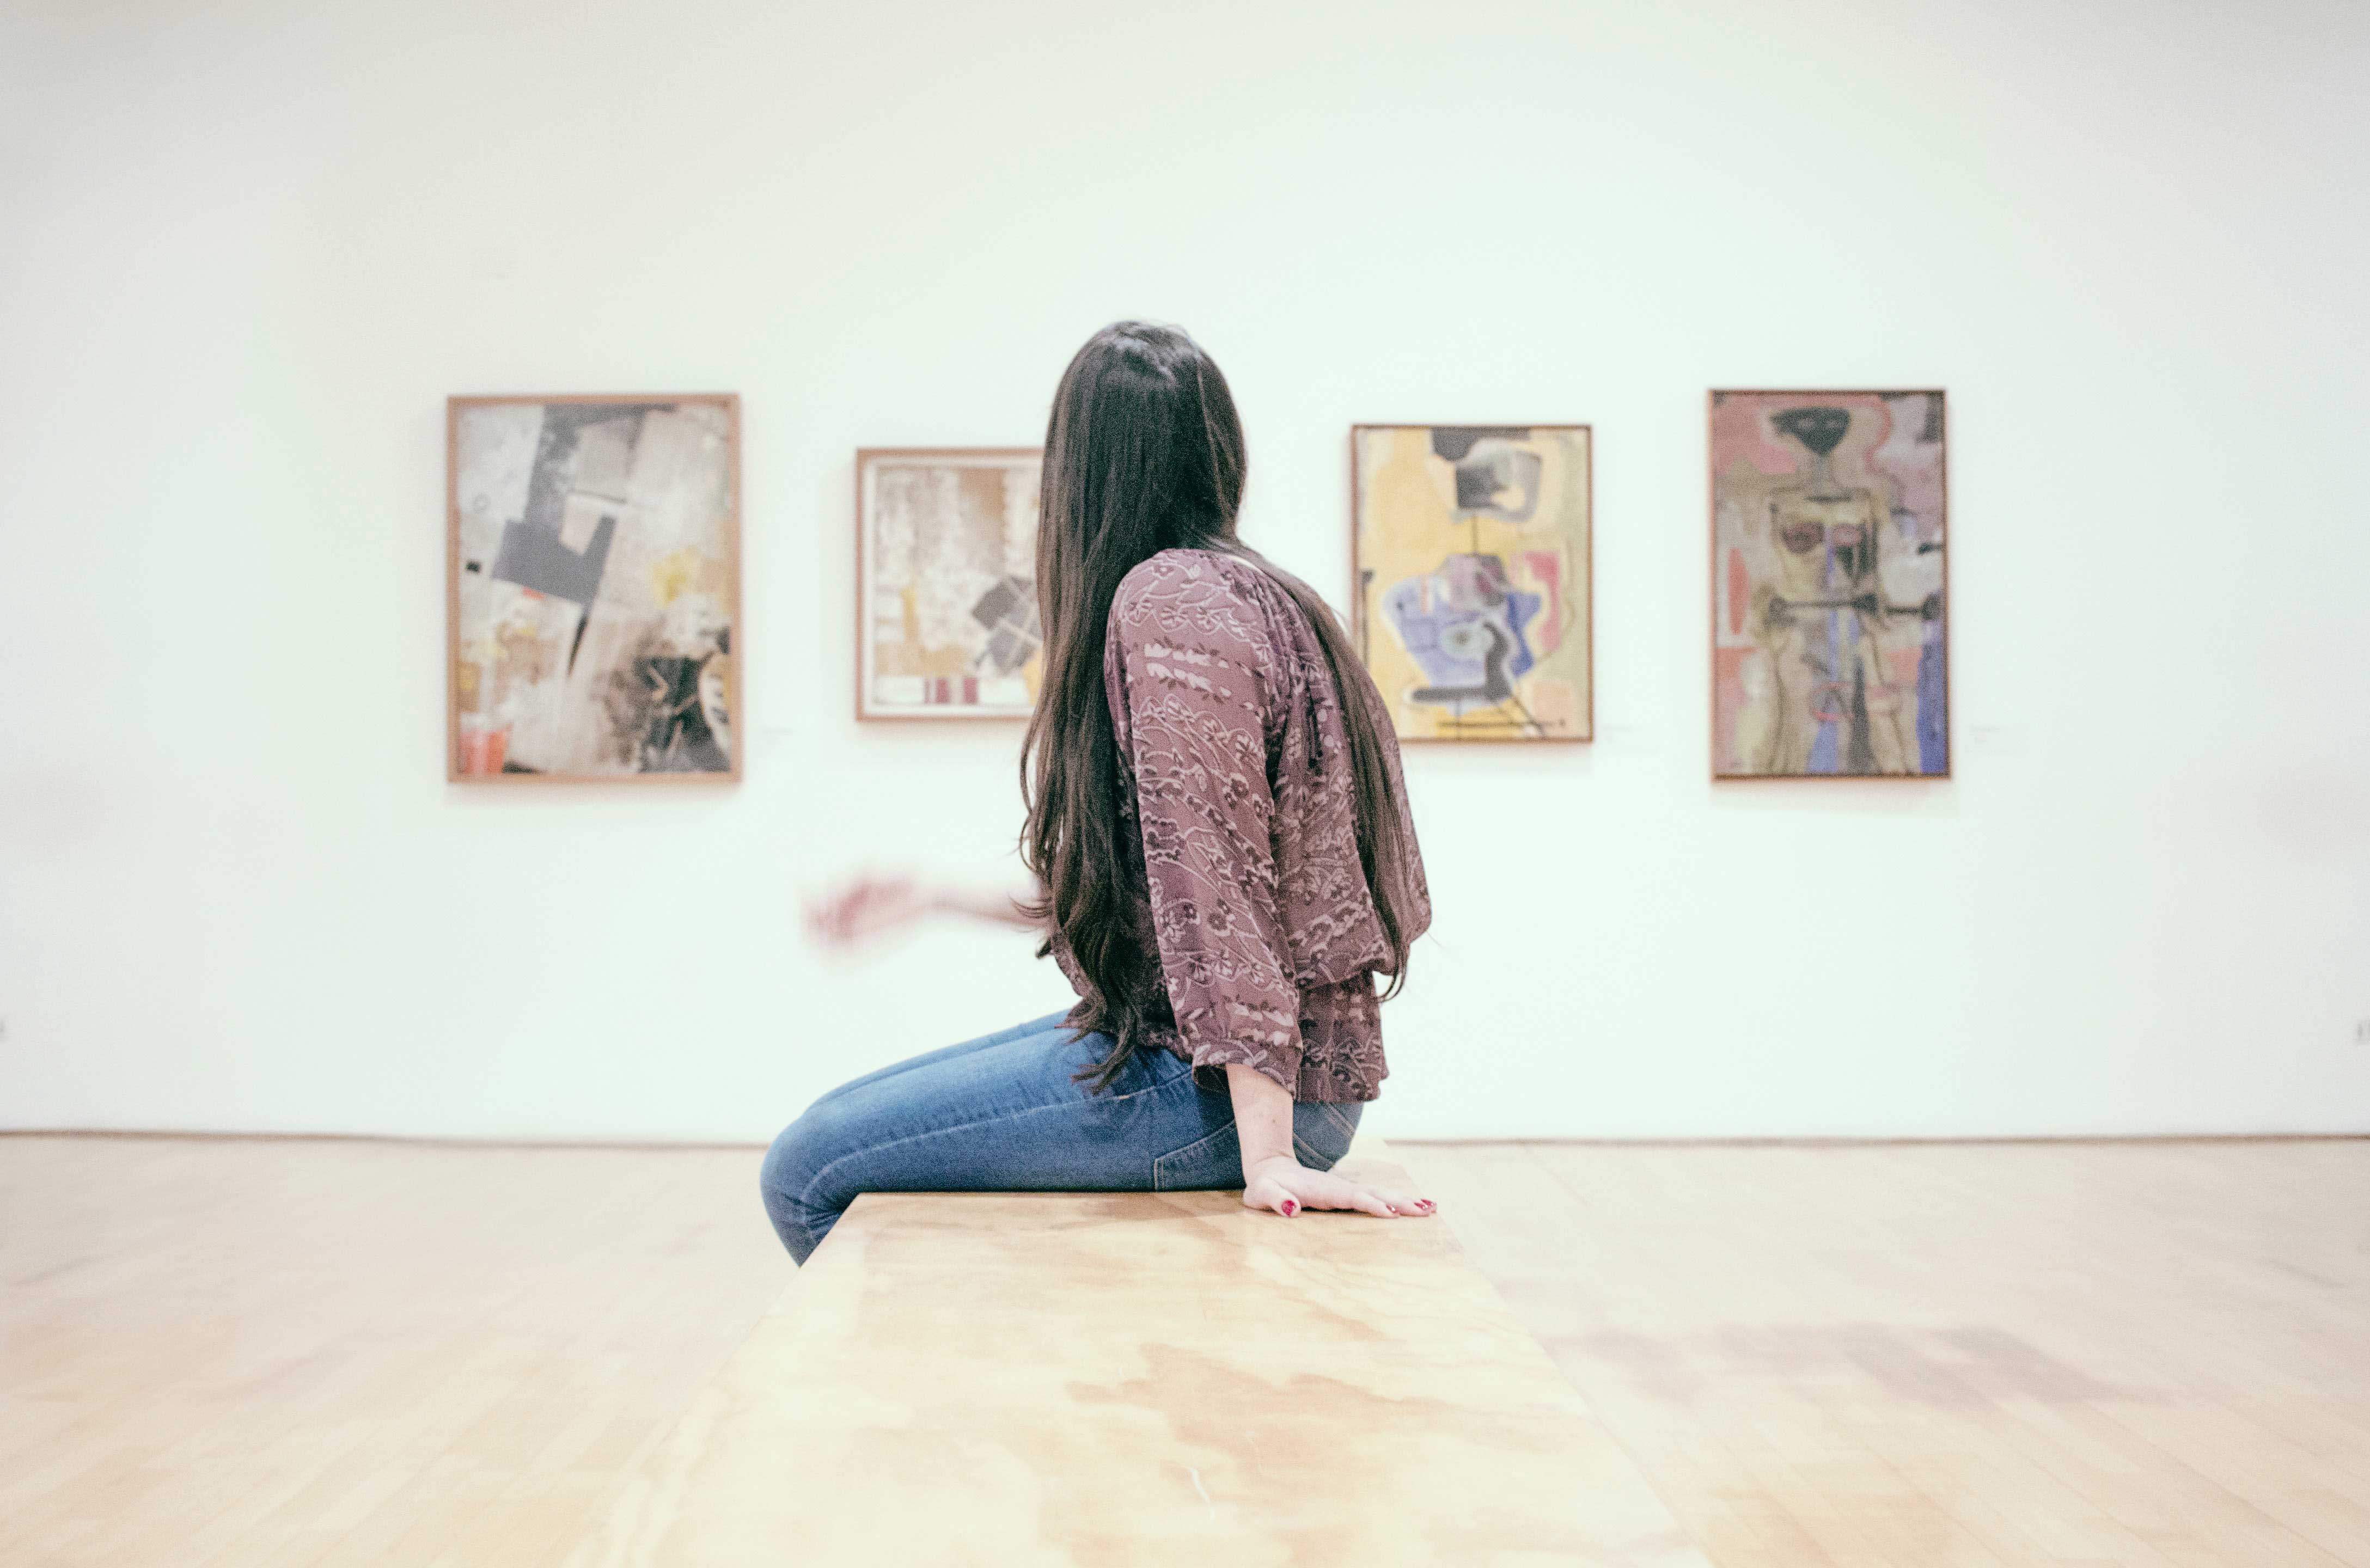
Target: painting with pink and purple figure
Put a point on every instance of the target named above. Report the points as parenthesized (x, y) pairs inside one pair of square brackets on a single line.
[(1830, 584)]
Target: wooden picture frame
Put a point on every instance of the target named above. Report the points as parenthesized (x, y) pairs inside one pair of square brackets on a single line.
[(1843, 730), (1472, 617), (966, 673), (533, 696)]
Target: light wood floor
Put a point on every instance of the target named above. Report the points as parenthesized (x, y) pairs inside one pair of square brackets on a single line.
[(2139, 1352), (264, 1353), (285, 1353)]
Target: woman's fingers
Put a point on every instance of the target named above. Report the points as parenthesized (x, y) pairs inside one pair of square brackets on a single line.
[(862, 908), (842, 921), (1315, 1190), (822, 920), (1323, 1191), (1382, 1202), (1270, 1194)]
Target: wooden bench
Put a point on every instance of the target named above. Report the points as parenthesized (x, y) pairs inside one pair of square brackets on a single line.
[(1135, 1379)]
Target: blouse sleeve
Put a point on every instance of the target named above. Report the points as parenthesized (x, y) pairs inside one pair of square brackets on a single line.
[(1194, 666)]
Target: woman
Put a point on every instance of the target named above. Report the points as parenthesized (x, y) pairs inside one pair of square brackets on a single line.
[(1222, 853)]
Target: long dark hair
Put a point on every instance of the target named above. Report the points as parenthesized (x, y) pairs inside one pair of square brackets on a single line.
[(1145, 453)]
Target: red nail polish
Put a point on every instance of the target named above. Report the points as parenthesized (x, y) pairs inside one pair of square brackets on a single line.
[(1290, 1207)]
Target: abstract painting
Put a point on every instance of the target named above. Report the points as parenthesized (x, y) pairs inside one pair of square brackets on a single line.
[(946, 612), (1830, 584), (1469, 557), (593, 587)]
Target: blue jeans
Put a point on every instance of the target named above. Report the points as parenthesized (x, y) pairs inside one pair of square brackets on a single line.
[(1001, 1114)]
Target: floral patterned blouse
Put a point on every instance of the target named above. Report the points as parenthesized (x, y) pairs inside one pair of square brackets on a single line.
[(1236, 781)]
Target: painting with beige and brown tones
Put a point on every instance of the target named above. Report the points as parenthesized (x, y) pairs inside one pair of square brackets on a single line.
[(1830, 589), (946, 583), (595, 587), (1470, 563)]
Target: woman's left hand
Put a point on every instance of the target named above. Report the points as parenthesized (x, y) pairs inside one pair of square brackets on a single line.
[(1287, 1187), (868, 907)]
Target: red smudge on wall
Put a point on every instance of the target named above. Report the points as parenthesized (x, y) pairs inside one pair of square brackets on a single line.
[(1549, 573), (1728, 700)]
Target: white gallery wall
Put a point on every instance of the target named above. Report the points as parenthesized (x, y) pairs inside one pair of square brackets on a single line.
[(247, 251)]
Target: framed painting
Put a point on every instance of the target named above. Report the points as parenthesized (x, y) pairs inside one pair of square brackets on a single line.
[(593, 588), (1472, 601), (946, 583), (1830, 584)]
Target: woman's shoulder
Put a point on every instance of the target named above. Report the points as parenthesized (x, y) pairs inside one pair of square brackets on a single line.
[(1217, 601), (1186, 573), (1196, 585)]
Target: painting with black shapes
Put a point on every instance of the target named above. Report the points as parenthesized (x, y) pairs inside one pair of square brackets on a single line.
[(594, 585), (1830, 584), (946, 568), (1471, 544)]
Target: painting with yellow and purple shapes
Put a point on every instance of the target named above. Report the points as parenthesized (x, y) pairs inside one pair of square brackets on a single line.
[(1830, 584), (1469, 546), (595, 588)]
